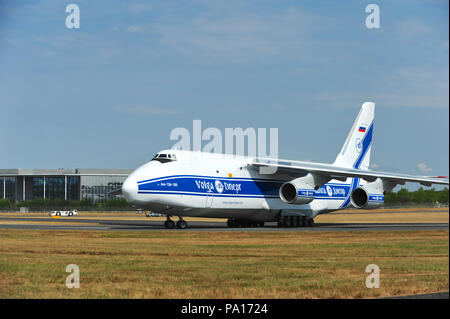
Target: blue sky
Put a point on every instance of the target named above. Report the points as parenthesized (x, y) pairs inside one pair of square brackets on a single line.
[(108, 94)]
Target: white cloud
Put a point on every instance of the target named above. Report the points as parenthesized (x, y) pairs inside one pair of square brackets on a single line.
[(141, 7), (145, 110), (234, 35), (80, 47), (135, 28), (404, 87), (423, 168), (412, 28)]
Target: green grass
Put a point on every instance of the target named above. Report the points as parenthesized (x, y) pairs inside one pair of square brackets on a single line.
[(221, 264)]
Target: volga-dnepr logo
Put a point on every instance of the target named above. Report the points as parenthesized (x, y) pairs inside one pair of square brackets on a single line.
[(358, 145), (329, 191), (219, 186)]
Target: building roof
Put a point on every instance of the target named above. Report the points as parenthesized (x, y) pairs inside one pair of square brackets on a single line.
[(65, 172)]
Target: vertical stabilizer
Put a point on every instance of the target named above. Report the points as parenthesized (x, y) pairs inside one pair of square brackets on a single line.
[(355, 152)]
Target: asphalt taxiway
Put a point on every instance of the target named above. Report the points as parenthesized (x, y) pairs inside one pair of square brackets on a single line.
[(148, 225)]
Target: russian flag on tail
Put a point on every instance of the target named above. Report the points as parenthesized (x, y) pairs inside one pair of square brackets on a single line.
[(362, 129)]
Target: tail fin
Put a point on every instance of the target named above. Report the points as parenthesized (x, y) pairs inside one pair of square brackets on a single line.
[(356, 150)]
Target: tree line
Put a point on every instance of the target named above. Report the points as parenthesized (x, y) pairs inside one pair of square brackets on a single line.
[(421, 197), (61, 204), (403, 197)]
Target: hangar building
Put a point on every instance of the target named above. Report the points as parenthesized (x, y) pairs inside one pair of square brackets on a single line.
[(70, 184)]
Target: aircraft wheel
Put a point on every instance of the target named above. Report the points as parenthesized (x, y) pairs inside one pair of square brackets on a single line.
[(231, 222), (169, 224), (291, 221), (283, 222), (311, 222), (297, 221), (181, 224), (304, 222)]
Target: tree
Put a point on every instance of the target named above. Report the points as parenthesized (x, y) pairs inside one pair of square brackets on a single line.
[(5, 203)]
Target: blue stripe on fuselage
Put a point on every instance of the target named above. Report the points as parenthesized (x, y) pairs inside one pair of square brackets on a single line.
[(205, 185), (234, 187)]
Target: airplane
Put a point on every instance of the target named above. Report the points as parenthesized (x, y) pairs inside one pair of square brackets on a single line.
[(199, 184)]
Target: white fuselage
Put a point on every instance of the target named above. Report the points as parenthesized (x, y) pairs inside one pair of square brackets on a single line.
[(223, 186)]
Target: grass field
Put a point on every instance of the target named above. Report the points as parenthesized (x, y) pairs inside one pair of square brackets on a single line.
[(161, 264), (403, 215)]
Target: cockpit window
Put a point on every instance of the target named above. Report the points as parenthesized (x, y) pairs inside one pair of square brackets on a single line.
[(164, 158)]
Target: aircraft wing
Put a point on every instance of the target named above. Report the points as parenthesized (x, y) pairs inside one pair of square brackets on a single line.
[(297, 168)]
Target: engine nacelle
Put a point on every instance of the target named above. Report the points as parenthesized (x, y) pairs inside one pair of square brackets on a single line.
[(371, 195), (360, 198), (301, 190)]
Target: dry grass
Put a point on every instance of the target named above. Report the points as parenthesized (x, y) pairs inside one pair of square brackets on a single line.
[(396, 210), (381, 217), (221, 264), (50, 223)]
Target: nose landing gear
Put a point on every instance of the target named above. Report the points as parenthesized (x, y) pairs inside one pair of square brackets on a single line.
[(169, 224), (181, 224)]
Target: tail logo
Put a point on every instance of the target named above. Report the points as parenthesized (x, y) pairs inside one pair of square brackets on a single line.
[(358, 145)]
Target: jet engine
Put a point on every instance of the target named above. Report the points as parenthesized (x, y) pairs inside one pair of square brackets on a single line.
[(360, 198), (371, 195), (302, 190)]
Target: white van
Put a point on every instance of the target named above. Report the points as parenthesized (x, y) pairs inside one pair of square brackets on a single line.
[(64, 213)]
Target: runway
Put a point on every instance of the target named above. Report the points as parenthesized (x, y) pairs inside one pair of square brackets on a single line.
[(436, 295), (39, 223)]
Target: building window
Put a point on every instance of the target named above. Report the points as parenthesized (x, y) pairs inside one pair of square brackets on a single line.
[(38, 187), (54, 187), (10, 189), (73, 187)]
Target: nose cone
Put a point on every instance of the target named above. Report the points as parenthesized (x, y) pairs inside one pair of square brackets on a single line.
[(130, 189)]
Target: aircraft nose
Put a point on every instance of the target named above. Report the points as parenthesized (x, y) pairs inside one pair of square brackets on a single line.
[(129, 189)]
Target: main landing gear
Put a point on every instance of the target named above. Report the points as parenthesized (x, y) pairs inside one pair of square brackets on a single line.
[(170, 224), (243, 223), (295, 221)]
